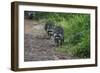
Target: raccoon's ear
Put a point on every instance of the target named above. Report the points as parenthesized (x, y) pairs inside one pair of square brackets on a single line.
[(60, 35), (54, 34)]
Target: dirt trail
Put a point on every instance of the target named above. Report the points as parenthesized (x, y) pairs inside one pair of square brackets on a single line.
[(37, 45)]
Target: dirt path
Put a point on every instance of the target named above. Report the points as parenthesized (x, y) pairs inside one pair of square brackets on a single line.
[(37, 45)]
